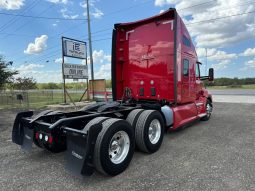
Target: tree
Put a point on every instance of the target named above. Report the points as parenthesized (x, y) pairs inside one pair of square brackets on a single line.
[(52, 86), (6, 75), (25, 83)]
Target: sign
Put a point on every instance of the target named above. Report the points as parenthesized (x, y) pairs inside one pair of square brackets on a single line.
[(75, 71), (74, 48)]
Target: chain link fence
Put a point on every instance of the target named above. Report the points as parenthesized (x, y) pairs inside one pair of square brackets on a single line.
[(33, 99)]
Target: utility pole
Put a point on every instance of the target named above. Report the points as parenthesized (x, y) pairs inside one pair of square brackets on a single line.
[(90, 50)]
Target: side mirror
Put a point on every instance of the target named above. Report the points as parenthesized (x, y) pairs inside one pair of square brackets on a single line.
[(211, 74)]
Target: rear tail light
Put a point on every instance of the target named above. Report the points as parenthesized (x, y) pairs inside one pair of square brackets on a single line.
[(50, 139), (36, 135), (45, 137)]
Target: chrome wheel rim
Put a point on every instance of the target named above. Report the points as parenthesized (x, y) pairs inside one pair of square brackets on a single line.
[(154, 131), (119, 147), (208, 110)]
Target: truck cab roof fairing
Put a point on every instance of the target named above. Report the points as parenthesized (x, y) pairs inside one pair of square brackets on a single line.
[(170, 13)]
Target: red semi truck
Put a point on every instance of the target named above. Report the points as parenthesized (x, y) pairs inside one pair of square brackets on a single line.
[(156, 86)]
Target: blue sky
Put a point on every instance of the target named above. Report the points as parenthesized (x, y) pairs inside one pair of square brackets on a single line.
[(35, 46)]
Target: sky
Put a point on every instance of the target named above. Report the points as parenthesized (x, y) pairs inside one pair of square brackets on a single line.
[(31, 31)]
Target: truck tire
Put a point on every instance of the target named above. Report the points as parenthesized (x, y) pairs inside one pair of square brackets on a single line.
[(149, 131), (133, 117), (209, 108), (114, 147)]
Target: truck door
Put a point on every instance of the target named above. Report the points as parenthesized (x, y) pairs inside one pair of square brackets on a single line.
[(185, 79), (188, 80), (199, 83)]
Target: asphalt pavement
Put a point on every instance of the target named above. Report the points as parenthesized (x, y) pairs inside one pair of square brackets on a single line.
[(233, 95), (245, 92), (213, 155)]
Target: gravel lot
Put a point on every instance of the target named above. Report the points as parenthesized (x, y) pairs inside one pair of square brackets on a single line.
[(214, 155)]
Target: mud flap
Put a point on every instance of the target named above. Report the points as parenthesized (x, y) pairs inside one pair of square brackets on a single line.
[(80, 150), (18, 128), (27, 139)]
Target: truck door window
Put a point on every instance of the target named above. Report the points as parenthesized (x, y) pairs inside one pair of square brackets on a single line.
[(185, 67), (197, 71)]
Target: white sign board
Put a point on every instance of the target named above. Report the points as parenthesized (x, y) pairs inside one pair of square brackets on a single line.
[(75, 71), (75, 49)]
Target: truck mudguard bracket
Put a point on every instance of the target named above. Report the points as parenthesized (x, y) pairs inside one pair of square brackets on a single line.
[(108, 106), (92, 106), (18, 129), (43, 113), (80, 150)]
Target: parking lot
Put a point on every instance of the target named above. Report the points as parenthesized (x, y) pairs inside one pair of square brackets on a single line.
[(213, 155)]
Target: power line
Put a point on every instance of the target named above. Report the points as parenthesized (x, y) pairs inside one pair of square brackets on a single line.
[(186, 24), (209, 20), (128, 8), (214, 19), (59, 34), (213, 1), (57, 52), (41, 17), (14, 19), (28, 22)]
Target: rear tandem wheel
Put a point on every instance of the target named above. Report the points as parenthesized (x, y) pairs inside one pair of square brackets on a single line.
[(114, 147), (149, 131)]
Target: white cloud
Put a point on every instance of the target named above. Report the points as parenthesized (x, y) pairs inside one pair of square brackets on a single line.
[(38, 46), (162, 11), (58, 60), (101, 60), (94, 11), (162, 3), (67, 14), (59, 1), (222, 65), (219, 33), (11, 4), (250, 63), (99, 57), (83, 62), (35, 71), (54, 24), (248, 52), (222, 32), (97, 13), (104, 72), (26, 70), (104, 60), (48, 76), (214, 54)]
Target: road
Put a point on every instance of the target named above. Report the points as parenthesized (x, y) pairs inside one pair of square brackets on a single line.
[(213, 155), (244, 92), (233, 96)]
